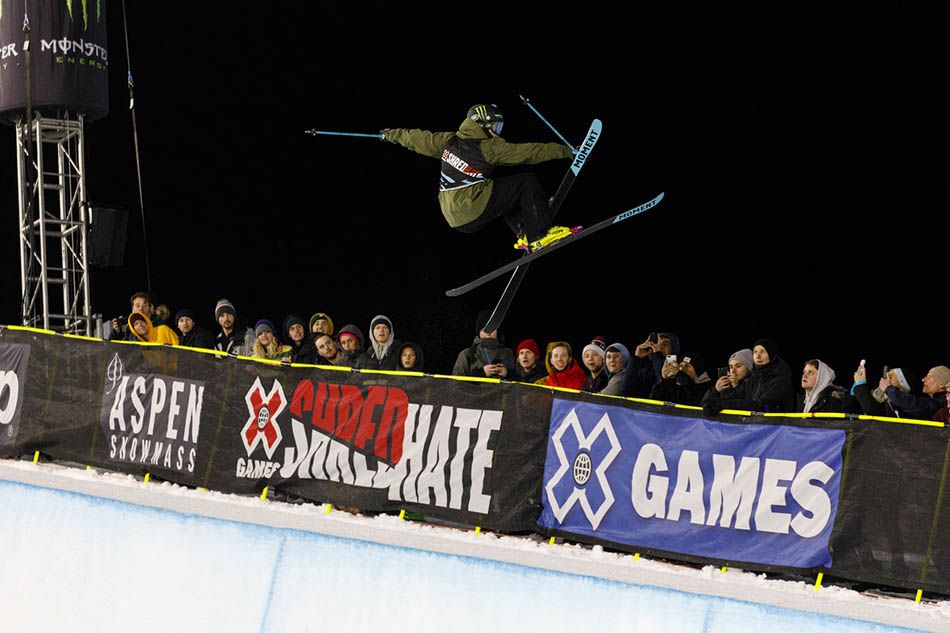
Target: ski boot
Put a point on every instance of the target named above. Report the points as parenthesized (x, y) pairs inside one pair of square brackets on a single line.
[(554, 234)]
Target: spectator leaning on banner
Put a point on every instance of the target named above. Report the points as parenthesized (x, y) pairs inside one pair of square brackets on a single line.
[(143, 330), (141, 302), (328, 351)]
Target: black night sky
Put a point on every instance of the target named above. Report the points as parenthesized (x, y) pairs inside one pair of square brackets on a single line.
[(800, 152)]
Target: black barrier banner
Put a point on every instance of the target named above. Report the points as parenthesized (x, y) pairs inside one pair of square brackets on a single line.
[(858, 499), (449, 450), (13, 363)]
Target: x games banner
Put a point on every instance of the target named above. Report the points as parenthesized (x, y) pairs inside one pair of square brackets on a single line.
[(734, 492), (859, 499)]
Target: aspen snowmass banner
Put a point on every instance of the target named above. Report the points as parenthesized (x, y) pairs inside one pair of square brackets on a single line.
[(445, 449), (861, 499)]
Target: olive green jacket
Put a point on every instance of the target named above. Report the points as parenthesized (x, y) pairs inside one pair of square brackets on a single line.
[(461, 206)]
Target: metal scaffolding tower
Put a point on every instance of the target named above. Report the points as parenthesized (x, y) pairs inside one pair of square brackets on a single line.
[(54, 225)]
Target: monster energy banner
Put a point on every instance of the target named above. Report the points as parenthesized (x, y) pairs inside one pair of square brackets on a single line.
[(858, 499), (68, 57)]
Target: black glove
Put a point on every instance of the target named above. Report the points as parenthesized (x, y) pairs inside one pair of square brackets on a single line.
[(712, 407)]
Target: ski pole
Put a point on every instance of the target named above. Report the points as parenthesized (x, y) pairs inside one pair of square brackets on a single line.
[(316, 132), (546, 122)]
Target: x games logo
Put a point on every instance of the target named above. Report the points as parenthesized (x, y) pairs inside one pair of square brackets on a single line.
[(261, 426), (587, 456)]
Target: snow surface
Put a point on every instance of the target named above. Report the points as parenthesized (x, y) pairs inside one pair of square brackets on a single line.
[(193, 560)]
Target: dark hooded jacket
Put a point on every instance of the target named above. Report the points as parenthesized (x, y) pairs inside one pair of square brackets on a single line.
[(304, 352), (351, 358), (379, 356), (420, 357), (771, 390), (472, 360), (197, 337)]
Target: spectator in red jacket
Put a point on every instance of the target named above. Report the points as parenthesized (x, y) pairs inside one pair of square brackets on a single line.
[(563, 370)]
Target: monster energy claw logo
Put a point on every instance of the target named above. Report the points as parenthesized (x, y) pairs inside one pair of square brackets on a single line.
[(481, 113), (69, 9), (85, 12)]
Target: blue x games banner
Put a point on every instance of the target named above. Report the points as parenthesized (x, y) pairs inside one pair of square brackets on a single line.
[(738, 492)]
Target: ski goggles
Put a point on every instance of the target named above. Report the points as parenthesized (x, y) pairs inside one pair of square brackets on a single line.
[(496, 126)]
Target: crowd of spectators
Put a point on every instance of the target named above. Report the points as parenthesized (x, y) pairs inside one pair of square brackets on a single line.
[(756, 378)]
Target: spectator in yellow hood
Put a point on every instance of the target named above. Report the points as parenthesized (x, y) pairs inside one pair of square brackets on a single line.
[(141, 326)]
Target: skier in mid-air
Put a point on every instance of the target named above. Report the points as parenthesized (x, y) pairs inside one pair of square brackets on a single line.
[(469, 197)]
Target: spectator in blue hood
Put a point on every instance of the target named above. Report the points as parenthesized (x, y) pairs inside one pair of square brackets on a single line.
[(616, 361)]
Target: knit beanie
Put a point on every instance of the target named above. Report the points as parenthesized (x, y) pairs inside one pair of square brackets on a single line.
[(696, 360), (324, 316), (744, 356), (531, 344), (596, 347), (184, 312), (223, 306), (292, 320), (264, 326), (770, 347), (942, 374), (381, 318)]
